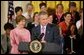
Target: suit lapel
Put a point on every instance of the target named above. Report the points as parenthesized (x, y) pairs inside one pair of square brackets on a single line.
[(47, 31), (38, 31)]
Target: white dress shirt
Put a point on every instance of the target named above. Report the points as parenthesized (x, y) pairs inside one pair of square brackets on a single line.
[(27, 15), (78, 24), (43, 31)]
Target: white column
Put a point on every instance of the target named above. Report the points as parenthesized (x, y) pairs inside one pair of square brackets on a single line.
[(4, 11)]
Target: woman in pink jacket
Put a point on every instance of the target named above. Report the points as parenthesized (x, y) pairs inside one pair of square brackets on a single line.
[(19, 34)]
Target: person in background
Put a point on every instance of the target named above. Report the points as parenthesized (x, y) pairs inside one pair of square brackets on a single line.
[(18, 11), (43, 7), (50, 18), (58, 14), (5, 39), (72, 33), (65, 24), (74, 12), (79, 25), (50, 14), (29, 14), (19, 34), (34, 23), (64, 27)]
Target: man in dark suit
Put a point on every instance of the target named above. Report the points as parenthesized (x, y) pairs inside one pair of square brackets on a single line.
[(51, 31)]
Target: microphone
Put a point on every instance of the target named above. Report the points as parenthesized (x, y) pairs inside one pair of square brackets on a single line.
[(40, 37)]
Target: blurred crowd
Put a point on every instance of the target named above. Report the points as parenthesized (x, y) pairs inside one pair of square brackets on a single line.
[(69, 25)]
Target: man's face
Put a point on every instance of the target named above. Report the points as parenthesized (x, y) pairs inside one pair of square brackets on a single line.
[(72, 8), (43, 8), (43, 19), (30, 8)]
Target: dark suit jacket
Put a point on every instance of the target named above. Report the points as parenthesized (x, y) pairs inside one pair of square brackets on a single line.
[(55, 19), (52, 33), (76, 17), (30, 26)]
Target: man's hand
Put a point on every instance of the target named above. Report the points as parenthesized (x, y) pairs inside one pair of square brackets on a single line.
[(43, 41)]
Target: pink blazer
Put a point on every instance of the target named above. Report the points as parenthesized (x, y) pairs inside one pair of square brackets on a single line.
[(17, 35)]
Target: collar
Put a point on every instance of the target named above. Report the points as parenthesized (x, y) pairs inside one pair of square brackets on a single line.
[(44, 26)]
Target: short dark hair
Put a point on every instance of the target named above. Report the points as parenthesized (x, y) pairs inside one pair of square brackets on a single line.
[(19, 18), (72, 4), (42, 4), (65, 14), (18, 8), (34, 15), (43, 13), (8, 26)]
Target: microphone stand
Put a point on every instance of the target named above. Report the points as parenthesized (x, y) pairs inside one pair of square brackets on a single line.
[(72, 51)]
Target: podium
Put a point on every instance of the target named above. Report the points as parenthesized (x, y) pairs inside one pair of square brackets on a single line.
[(51, 48), (23, 47), (48, 48)]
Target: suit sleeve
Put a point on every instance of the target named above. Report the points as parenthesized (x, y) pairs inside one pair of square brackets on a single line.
[(33, 34), (57, 36)]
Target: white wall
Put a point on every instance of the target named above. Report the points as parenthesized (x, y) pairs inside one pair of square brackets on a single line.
[(4, 8), (22, 4), (4, 11)]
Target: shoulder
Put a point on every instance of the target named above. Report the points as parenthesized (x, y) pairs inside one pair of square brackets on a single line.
[(13, 31), (36, 28), (30, 23), (25, 14), (54, 26), (51, 25), (61, 23), (78, 24)]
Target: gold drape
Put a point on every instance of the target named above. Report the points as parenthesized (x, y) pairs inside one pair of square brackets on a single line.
[(36, 5), (81, 4), (66, 5), (52, 4)]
